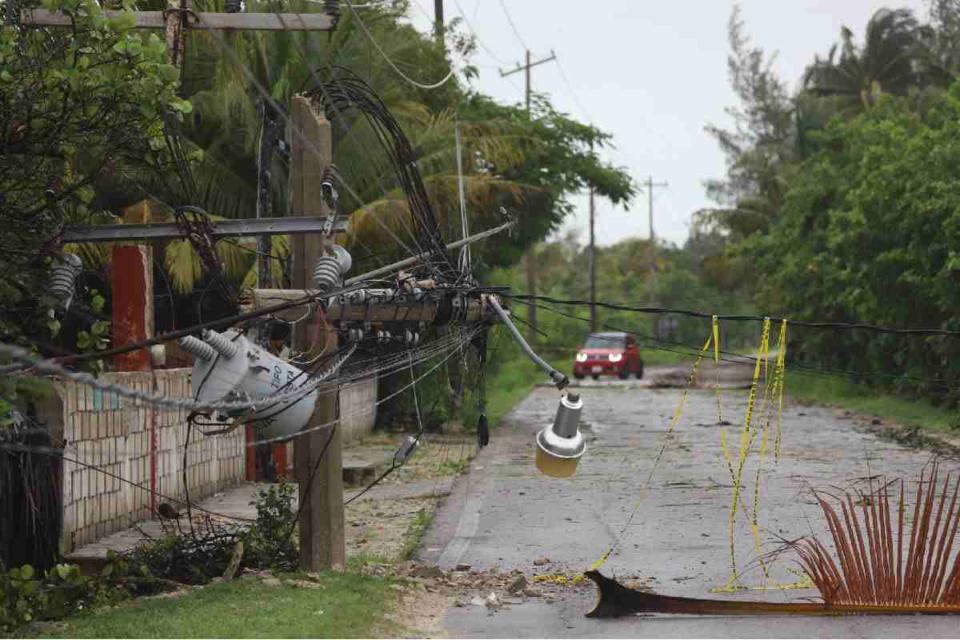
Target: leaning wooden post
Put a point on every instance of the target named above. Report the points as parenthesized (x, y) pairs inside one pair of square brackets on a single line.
[(322, 544), (176, 33)]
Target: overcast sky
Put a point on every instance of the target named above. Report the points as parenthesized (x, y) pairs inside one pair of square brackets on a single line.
[(652, 73)]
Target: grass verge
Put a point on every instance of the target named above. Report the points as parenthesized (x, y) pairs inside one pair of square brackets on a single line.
[(513, 379), (861, 399), (341, 605), (418, 529)]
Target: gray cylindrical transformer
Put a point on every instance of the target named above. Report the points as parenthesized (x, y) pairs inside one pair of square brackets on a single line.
[(228, 367)]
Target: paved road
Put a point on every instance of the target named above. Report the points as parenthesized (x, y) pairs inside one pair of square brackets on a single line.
[(503, 514)]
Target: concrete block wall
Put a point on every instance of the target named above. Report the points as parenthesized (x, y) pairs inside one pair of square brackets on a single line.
[(122, 437), (358, 409)]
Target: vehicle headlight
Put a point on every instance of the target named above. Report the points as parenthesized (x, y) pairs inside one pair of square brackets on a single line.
[(616, 357), (581, 357)]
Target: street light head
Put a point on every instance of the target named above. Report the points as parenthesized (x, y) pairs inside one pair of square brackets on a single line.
[(560, 446)]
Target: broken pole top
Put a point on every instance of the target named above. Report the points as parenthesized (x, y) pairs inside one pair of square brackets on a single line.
[(221, 229)]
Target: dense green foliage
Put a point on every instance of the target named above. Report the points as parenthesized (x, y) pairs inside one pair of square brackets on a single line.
[(870, 229), (26, 596), (195, 556), (840, 201), (686, 278), (76, 106)]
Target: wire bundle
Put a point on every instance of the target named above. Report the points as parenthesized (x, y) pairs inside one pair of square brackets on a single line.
[(343, 92)]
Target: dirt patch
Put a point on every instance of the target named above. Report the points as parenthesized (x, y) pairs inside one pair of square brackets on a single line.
[(437, 456), (382, 527), (914, 437), (387, 521), (420, 614)]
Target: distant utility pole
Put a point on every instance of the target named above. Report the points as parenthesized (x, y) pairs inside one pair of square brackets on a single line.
[(530, 258), (593, 265), (650, 185)]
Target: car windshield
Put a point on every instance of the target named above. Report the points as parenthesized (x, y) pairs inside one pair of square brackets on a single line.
[(604, 341)]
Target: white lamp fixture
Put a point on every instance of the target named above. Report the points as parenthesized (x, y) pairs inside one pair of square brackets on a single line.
[(560, 446)]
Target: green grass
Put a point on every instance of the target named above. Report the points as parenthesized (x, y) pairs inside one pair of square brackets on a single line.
[(346, 605), (861, 399), (513, 379), (658, 357), (418, 528)]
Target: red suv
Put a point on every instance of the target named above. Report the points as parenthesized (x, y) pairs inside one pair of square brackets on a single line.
[(613, 354)]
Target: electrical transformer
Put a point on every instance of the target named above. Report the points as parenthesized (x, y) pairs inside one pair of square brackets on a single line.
[(229, 367)]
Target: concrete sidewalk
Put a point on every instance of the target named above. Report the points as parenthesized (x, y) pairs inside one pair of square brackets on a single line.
[(376, 523)]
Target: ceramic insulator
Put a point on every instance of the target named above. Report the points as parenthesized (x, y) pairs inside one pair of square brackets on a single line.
[(200, 349), (221, 343)]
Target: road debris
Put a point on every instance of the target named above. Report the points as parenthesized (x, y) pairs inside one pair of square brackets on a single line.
[(489, 588)]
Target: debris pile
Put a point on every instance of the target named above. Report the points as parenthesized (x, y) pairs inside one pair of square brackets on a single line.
[(492, 588)]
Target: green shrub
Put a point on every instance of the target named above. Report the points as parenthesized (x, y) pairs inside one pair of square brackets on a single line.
[(26, 596)]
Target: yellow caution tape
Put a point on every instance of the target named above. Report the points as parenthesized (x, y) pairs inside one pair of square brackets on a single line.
[(780, 375), (716, 363), (746, 439)]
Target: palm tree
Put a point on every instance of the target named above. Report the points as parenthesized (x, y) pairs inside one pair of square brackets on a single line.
[(226, 78), (227, 87), (854, 76)]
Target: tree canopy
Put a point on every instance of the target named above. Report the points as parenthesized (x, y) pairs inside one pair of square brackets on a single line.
[(840, 200)]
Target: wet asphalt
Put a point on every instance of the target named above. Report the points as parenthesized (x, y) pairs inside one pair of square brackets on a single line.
[(504, 514)]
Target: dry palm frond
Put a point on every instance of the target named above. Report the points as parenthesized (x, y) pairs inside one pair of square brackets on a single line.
[(886, 561), (877, 560)]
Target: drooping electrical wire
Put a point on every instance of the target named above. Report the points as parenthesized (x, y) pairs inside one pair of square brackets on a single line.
[(737, 358), (848, 326), (513, 26), (392, 65)]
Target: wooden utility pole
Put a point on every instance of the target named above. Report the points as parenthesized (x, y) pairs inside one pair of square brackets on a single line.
[(530, 257), (438, 26), (175, 28), (650, 185), (269, 135), (593, 265), (318, 455)]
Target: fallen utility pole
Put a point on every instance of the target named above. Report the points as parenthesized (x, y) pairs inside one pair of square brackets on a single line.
[(220, 229), (412, 260)]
